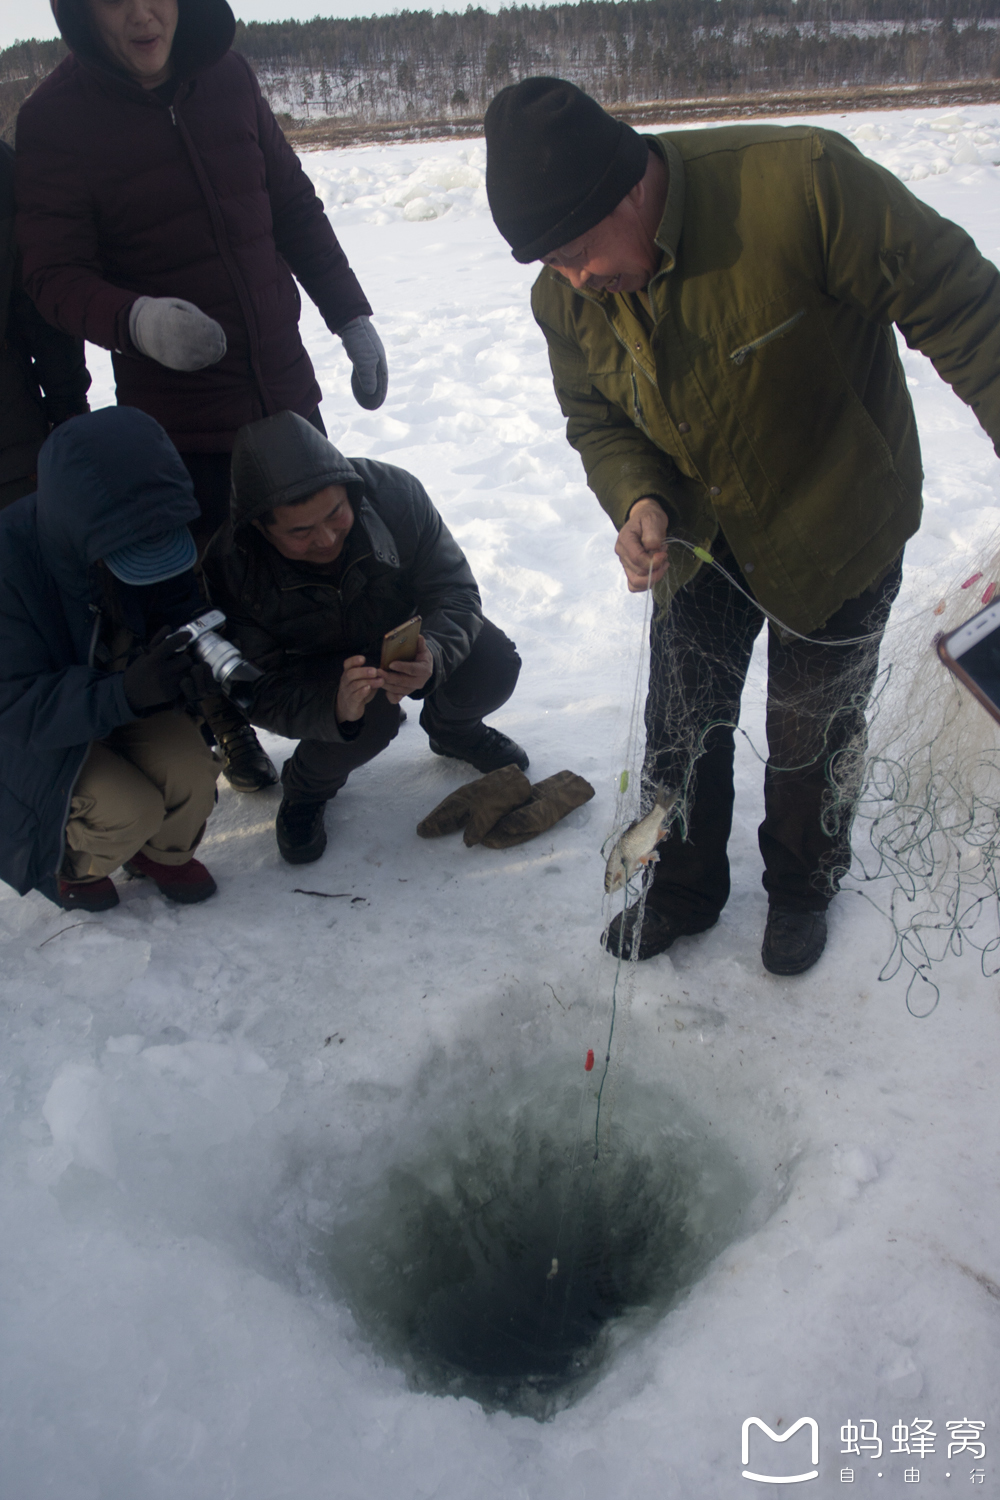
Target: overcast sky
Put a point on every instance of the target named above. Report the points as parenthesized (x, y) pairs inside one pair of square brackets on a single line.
[(33, 18)]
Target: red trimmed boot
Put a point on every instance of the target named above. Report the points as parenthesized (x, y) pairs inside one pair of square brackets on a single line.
[(185, 883), (87, 895)]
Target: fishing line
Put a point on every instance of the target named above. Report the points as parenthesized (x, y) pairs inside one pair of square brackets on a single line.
[(703, 554), (626, 780), (614, 1009)]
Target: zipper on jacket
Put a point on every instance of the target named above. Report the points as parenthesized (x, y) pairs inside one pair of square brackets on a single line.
[(640, 415), (739, 355), (626, 345), (228, 260)]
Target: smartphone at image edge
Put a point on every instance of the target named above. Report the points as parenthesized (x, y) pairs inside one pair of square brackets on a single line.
[(972, 653)]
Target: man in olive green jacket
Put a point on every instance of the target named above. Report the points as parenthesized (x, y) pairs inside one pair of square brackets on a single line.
[(719, 308)]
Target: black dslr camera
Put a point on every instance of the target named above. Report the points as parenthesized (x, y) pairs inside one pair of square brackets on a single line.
[(234, 674)]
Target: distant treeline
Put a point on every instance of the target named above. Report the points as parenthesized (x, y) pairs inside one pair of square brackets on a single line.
[(22, 67), (417, 65)]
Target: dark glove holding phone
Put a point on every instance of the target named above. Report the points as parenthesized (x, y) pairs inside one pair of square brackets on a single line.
[(154, 680)]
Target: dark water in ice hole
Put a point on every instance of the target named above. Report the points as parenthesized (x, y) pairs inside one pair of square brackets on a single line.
[(449, 1270)]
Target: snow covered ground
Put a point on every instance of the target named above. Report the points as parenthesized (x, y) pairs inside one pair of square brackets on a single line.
[(194, 1101)]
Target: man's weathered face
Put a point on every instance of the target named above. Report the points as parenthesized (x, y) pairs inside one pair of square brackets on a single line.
[(139, 35), (316, 530), (617, 255)]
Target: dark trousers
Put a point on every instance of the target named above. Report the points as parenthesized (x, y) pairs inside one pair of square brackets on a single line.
[(15, 489), (816, 700), (210, 475), (452, 712)]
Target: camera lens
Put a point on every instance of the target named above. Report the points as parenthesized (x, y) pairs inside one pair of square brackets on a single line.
[(221, 657)]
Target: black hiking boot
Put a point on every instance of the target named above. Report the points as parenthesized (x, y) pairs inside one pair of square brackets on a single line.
[(300, 831), (660, 930), (486, 749), (793, 940), (246, 764)]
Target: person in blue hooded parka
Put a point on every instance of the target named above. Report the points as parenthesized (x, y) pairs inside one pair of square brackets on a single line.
[(100, 766)]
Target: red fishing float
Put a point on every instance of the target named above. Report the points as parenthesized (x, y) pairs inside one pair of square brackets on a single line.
[(988, 592), (970, 581), (588, 1065)]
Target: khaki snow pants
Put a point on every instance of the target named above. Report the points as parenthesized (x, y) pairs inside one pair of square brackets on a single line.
[(149, 786)]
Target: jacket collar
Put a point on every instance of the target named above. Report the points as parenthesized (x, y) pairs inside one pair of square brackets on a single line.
[(669, 233), (381, 539)]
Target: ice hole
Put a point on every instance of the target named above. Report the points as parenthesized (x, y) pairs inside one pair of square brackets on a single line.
[(502, 1262)]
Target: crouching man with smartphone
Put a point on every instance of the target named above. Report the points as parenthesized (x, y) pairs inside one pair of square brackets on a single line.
[(322, 559)]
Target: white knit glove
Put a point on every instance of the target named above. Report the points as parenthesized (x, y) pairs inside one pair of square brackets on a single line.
[(370, 379), (175, 333)]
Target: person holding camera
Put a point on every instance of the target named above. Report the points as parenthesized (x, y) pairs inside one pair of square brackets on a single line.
[(163, 215), (323, 557), (100, 766)]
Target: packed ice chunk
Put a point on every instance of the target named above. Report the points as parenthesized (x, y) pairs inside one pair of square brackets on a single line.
[(420, 208), (76, 1113), (87, 961), (966, 155)]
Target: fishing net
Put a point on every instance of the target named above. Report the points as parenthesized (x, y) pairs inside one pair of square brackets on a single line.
[(894, 769), (866, 734), (928, 816)]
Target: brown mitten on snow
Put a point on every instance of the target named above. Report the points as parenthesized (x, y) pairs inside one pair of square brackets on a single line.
[(551, 800), (495, 795), (449, 816), (477, 805)]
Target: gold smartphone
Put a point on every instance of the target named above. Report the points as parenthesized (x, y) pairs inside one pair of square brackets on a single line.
[(400, 644), (972, 652)]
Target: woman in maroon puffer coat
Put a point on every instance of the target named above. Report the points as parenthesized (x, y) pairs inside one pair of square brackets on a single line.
[(161, 213)]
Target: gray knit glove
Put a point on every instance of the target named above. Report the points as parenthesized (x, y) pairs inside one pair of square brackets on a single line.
[(175, 333), (370, 379)]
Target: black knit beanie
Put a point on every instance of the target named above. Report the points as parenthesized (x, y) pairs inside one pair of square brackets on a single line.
[(556, 164)]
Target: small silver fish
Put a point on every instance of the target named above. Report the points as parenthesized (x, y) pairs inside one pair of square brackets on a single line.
[(637, 845)]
